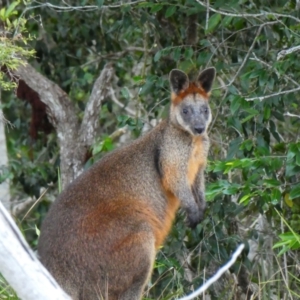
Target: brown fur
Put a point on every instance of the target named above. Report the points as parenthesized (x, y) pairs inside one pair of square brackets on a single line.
[(100, 236), (192, 89)]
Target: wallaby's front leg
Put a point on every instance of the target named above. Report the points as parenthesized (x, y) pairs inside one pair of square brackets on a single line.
[(179, 187), (199, 191)]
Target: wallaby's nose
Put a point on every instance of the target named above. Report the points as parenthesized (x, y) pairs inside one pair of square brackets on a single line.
[(199, 128)]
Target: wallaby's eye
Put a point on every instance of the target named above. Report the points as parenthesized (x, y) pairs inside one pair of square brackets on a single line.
[(206, 110), (185, 111)]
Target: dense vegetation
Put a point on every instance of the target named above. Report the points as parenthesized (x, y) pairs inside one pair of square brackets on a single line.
[(253, 177)]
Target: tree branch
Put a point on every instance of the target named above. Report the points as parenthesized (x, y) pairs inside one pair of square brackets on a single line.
[(247, 15), (63, 115), (60, 106), (249, 51), (260, 98), (19, 265), (288, 114), (117, 55), (85, 8), (285, 52), (90, 122), (115, 100), (219, 273), (286, 77)]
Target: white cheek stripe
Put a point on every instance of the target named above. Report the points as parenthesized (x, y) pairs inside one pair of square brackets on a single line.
[(183, 124)]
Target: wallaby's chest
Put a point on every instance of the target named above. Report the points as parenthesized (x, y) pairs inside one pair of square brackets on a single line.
[(197, 158)]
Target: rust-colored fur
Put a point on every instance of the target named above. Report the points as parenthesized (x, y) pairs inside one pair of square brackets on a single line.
[(100, 236)]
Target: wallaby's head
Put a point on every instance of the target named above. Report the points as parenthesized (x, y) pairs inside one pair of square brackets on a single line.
[(190, 108)]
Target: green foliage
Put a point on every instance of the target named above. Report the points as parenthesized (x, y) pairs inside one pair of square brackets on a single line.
[(13, 51), (254, 162), (6, 291), (289, 240)]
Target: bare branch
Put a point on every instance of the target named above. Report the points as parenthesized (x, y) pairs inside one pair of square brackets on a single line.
[(3, 119), (285, 52), (286, 77), (34, 204), (115, 100), (260, 98), (18, 264), (58, 102), (22, 206), (207, 15), (90, 122), (288, 114), (62, 114), (249, 51), (247, 15), (118, 133), (117, 55), (219, 273), (85, 8)]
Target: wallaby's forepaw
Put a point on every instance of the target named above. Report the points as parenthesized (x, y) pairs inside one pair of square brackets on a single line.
[(194, 218)]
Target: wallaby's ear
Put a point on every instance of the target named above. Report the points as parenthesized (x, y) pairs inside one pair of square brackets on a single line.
[(206, 79), (179, 81)]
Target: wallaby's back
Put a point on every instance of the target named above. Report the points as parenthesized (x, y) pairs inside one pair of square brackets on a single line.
[(100, 236)]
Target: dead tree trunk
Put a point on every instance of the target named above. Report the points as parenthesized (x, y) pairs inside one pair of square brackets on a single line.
[(21, 268), (74, 138)]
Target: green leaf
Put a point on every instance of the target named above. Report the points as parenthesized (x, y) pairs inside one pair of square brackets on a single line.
[(125, 93), (156, 7), (100, 3), (234, 146), (271, 182), (226, 21), (235, 104), (177, 53), (157, 56), (2, 13), (170, 11), (276, 195), (213, 22), (252, 115), (295, 192), (37, 231), (188, 53), (298, 159), (10, 9), (267, 113), (245, 198), (278, 115)]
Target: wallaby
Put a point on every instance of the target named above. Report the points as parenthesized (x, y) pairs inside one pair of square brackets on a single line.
[(100, 237)]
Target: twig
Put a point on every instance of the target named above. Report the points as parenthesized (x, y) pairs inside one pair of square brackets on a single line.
[(4, 120), (276, 72), (117, 55), (285, 52), (219, 273), (118, 133), (260, 98), (207, 15), (247, 15), (288, 114), (250, 50), (34, 204), (115, 100), (85, 7)]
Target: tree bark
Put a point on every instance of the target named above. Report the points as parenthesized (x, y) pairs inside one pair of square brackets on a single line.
[(21, 268), (74, 138), (4, 186)]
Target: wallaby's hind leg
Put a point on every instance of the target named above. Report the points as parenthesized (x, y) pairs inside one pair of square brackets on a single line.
[(142, 274), (137, 288), (124, 271)]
